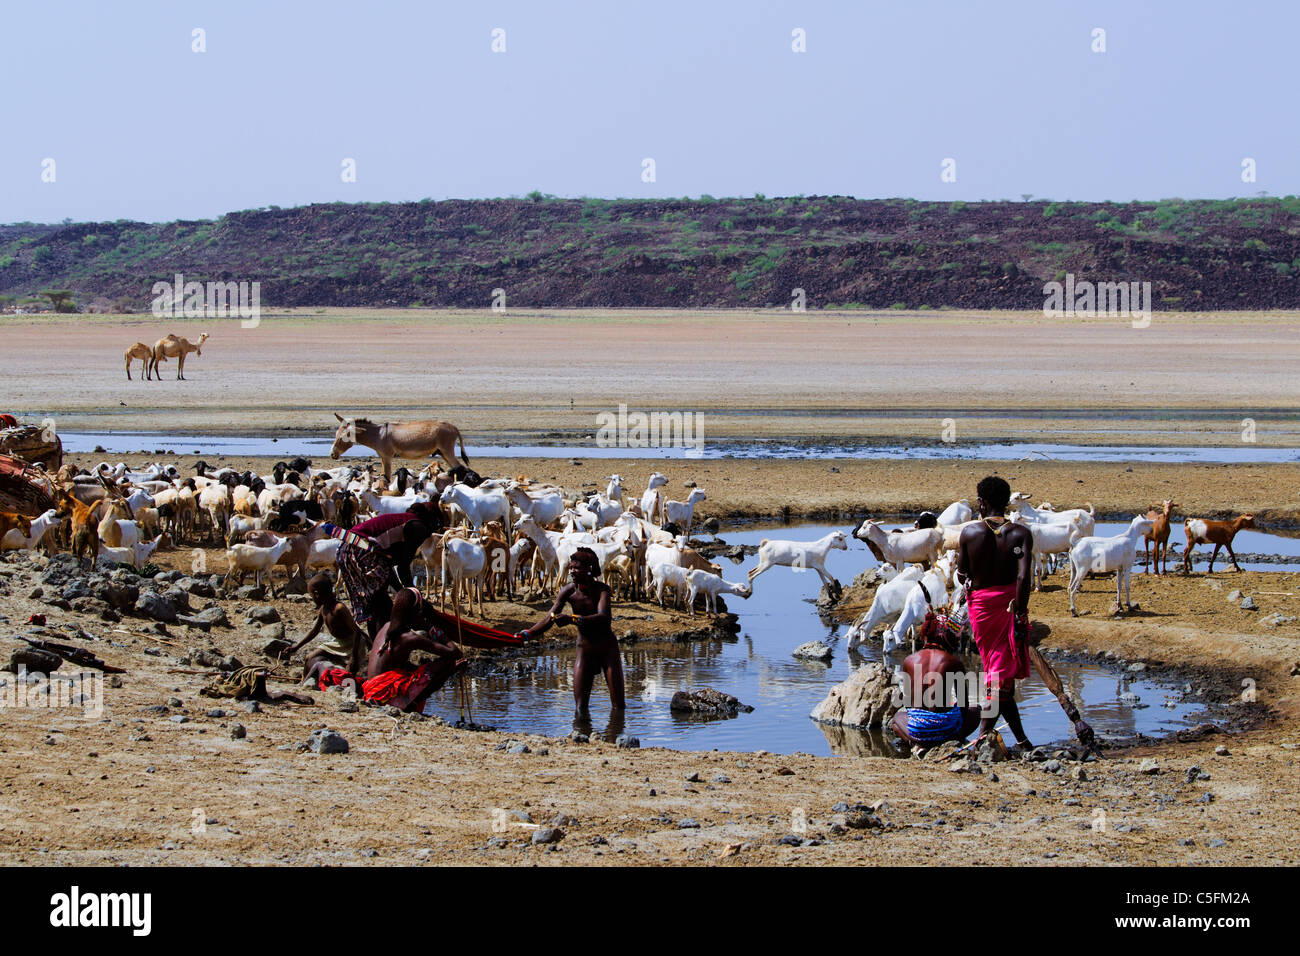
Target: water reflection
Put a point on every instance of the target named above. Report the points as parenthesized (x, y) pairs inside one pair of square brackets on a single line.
[(757, 667)]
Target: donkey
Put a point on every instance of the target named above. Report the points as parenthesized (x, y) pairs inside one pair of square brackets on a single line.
[(400, 440)]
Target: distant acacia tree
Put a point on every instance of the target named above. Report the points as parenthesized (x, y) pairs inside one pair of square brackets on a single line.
[(60, 299)]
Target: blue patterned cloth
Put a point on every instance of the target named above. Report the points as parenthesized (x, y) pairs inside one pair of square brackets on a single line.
[(933, 726)]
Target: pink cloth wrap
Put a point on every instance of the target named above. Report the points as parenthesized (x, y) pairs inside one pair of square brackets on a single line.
[(992, 623)]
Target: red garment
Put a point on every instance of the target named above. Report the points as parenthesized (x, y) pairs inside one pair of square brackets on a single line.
[(334, 677), (408, 686), (8, 421), (992, 623), (384, 530)]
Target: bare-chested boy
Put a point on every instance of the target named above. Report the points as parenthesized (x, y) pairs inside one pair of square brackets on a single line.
[(338, 660)]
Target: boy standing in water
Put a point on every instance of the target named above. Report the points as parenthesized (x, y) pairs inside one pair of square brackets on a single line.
[(597, 648)]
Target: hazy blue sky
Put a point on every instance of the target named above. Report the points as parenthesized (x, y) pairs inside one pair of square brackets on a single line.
[(141, 127)]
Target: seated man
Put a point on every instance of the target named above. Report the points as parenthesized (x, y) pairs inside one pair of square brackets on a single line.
[(338, 660), (934, 714), (392, 678)]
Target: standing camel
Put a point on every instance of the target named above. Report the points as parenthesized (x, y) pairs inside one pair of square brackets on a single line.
[(399, 440), (174, 346), (144, 354)]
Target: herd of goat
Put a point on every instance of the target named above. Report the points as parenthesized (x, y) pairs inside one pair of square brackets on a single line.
[(506, 534)]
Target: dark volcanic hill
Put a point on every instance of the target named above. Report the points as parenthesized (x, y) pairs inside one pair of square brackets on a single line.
[(1233, 254)]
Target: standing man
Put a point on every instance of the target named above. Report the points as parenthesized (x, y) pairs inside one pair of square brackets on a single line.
[(995, 558)]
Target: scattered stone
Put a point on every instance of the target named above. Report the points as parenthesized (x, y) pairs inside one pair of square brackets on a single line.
[(179, 719), (272, 633), (722, 778), (687, 823), (1234, 596), (1187, 841), (34, 661), (156, 606), (264, 615), (707, 703), (214, 616), (519, 749), (693, 777), (237, 732), (1248, 604), (1052, 766), (1079, 774), (548, 835), (1222, 750), (1215, 844), (813, 651), (1149, 766), (327, 742), (626, 742), (578, 737)]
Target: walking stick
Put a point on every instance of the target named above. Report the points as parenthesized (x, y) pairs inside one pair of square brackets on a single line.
[(1053, 682)]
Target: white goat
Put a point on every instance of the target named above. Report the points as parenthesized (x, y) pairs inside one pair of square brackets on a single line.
[(885, 606), (242, 558), (463, 562), (652, 499), (1100, 555), (137, 555), (1050, 538), (711, 585), (546, 506), (15, 540), (958, 512), (934, 586), (799, 555), (614, 490), (905, 547), (682, 513), (479, 506), (1087, 518)]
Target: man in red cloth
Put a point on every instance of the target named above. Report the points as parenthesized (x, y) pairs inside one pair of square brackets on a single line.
[(995, 558), (393, 678)]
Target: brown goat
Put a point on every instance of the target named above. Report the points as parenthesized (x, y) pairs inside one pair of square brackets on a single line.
[(1159, 536), (1217, 533)]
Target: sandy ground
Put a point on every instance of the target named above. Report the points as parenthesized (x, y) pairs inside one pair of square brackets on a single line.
[(824, 375), (140, 788), (137, 787)]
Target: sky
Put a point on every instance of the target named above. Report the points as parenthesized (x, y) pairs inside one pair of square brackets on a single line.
[(138, 125)]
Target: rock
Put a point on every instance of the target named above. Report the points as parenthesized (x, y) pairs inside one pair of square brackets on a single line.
[(866, 699), (213, 616), (327, 742), (548, 835), (1079, 774), (34, 661), (693, 777), (1052, 766), (686, 823), (1248, 604), (519, 749), (155, 606), (250, 592), (180, 599), (1149, 766), (118, 596), (190, 621), (272, 633), (1136, 667), (197, 587), (707, 703), (862, 820), (179, 719), (626, 742), (813, 651), (1215, 844), (237, 732), (252, 706), (578, 737), (1222, 750), (275, 647), (1276, 619), (722, 778), (264, 615), (216, 713), (1234, 596)]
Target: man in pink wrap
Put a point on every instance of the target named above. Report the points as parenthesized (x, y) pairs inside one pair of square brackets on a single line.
[(996, 559)]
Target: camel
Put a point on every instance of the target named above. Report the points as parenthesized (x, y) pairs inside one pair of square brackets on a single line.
[(174, 346), (144, 354), (400, 440)]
